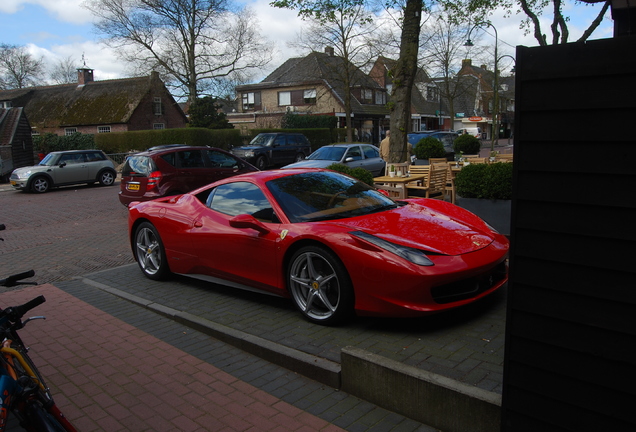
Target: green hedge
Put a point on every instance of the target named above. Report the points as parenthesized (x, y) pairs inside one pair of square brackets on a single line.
[(50, 142), (488, 181), (123, 142)]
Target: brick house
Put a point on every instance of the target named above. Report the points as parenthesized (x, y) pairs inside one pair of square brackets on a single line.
[(475, 107), (313, 85), (92, 107), (428, 112)]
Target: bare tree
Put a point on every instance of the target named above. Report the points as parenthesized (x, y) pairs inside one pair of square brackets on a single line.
[(64, 71), (18, 68), (193, 43), (347, 30), (442, 55)]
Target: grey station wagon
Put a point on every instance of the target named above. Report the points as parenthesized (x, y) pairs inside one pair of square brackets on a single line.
[(65, 168)]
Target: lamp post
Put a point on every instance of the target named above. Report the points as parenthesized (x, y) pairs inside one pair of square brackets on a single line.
[(495, 110)]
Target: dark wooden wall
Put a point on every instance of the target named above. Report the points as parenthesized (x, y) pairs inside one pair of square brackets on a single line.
[(570, 362)]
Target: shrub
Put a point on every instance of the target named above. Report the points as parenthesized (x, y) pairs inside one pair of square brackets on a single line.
[(488, 181), (50, 142), (429, 147), (361, 174), (466, 144)]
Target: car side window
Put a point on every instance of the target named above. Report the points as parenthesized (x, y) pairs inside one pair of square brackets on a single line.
[(94, 156), (221, 160), (70, 159), (280, 140), (190, 159), (170, 158), (354, 152), (370, 152), (238, 198)]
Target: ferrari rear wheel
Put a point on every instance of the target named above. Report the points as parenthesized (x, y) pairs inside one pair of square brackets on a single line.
[(151, 255), (320, 286)]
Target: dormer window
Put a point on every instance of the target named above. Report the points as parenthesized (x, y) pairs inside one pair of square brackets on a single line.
[(6, 104)]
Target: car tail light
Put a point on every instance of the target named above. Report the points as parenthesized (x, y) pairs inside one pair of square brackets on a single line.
[(153, 180)]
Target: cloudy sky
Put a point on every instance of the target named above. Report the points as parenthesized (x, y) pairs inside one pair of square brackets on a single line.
[(58, 29)]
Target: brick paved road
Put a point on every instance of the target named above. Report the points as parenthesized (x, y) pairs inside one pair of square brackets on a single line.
[(63, 233)]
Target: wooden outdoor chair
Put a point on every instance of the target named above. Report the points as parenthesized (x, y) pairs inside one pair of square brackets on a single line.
[(504, 157), (432, 161), (434, 186)]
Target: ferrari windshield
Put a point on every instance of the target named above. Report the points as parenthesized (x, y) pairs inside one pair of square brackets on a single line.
[(325, 195), (328, 153)]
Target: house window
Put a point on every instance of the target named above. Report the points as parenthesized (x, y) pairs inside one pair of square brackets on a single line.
[(70, 131), (309, 96), (6, 104), (367, 96), (156, 106), (431, 94), (380, 98), (284, 98), (158, 126), (103, 129), (251, 100)]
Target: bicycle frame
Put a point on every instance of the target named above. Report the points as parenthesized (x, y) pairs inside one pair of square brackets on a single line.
[(21, 385)]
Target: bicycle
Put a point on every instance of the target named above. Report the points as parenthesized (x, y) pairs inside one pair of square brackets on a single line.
[(23, 391)]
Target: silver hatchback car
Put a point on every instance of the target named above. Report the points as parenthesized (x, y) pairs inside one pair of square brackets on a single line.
[(65, 168)]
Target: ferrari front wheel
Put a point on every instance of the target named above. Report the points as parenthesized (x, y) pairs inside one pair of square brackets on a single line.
[(320, 286), (150, 253)]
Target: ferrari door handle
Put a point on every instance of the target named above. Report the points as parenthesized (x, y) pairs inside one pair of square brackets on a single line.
[(198, 224)]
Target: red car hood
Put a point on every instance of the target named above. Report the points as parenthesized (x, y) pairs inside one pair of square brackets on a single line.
[(447, 229)]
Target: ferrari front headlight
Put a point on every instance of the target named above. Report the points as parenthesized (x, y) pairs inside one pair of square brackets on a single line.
[(408, 253)]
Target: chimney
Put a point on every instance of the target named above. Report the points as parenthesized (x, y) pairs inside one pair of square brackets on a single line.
[(329, 51), (84, 76), (467, 63)]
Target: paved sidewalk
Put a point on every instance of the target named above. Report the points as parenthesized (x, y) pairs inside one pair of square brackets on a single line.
[(108, 375)]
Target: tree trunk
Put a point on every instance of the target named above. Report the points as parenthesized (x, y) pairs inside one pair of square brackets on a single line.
[(403, 79)]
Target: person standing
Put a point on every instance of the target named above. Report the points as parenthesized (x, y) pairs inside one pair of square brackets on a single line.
[(385, 145)]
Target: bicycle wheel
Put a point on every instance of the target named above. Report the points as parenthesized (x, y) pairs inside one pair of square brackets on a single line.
[(38, 419)]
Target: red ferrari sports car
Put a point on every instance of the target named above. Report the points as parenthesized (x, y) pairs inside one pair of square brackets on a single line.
[(333, 244)]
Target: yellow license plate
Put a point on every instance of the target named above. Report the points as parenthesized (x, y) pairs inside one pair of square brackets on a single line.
[(13, 182), (133, 187)]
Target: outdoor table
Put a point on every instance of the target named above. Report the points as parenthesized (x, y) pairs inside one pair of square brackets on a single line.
[(399, 182)]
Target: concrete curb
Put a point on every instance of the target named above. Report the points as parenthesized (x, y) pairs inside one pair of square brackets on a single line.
[(423, 396)]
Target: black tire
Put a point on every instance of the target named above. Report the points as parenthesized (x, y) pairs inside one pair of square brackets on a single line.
[(107, 178), (40, 184), (299, 157), (40, 420), (320, 286), (261, 163), (150, 253)]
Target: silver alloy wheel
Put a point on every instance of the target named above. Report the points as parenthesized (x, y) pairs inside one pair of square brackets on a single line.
[(149, 254), (107, 178), (40, 185), (315, 286)]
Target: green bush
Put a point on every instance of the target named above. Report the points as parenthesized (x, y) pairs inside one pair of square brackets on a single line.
[(50, 142), (488, 181), (429, 147), (361, 174), (466, 144), (122, 142)]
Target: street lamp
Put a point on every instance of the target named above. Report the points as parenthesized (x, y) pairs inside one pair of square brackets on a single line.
[(495, 111)]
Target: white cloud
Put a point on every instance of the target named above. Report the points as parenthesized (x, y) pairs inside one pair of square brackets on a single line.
[(69, 11)]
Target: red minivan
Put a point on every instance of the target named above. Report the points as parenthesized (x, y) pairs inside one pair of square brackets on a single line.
[(175, 169)]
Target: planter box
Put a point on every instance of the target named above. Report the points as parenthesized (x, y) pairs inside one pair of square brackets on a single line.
[(495, 212)]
